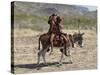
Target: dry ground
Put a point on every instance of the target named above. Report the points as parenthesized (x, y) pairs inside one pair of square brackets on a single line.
[(25, 53)]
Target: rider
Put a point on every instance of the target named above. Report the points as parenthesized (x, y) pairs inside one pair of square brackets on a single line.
[(51, 22), (59, 27), (55, 21), (58, 24)]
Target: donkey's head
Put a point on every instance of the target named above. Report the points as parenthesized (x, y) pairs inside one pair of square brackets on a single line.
[(78, 37)]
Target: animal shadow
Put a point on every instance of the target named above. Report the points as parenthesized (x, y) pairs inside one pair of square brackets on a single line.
[(41, 65)]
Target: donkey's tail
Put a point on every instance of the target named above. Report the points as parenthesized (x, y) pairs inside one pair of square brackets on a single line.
[(39, 43)]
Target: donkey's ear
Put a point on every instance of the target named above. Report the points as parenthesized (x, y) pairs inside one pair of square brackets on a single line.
[(82, 34)]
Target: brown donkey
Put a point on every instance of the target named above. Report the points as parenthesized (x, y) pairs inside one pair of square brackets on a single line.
[(64, 45)]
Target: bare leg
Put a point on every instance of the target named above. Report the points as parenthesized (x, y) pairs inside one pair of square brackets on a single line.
[(70, 41), (51, 41), (64, 38)]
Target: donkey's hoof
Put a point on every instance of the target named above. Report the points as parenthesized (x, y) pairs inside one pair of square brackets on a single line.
[(51, 53), (38, 68), (37, 65), (60, 63), (71, 62)]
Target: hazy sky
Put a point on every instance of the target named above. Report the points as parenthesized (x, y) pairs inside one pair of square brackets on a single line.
[(91, 8)]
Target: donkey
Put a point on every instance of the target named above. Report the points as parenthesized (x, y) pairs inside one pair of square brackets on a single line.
[(45, 42), (78, 38)]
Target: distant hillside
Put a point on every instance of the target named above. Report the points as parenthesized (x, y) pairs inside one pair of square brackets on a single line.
[(47, 9), (32, 15)]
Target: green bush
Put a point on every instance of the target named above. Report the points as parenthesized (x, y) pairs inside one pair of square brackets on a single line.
[(41, 22)]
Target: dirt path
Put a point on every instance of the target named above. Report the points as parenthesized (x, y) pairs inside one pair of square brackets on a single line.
[(25, 52)]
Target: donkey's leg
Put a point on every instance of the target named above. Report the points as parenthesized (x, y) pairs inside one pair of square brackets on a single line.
[(39, 43), (39, 55), (44, 53), (66, 44), (69, 55), (60, 62), (67, 51)]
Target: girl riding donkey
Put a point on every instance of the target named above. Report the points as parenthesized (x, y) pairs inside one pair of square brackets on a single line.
[(49, 39), (55, 31)]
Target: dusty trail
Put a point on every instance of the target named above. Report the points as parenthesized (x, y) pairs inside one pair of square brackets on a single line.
[(25, 52)]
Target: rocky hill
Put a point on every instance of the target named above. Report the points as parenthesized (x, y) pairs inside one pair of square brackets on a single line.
[(29, 13), (47, 9)]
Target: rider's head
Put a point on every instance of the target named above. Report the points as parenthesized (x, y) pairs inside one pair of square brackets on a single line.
[(58, 18), (54, 14)]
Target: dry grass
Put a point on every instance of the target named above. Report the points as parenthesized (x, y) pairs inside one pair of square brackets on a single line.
[(25, 51)]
